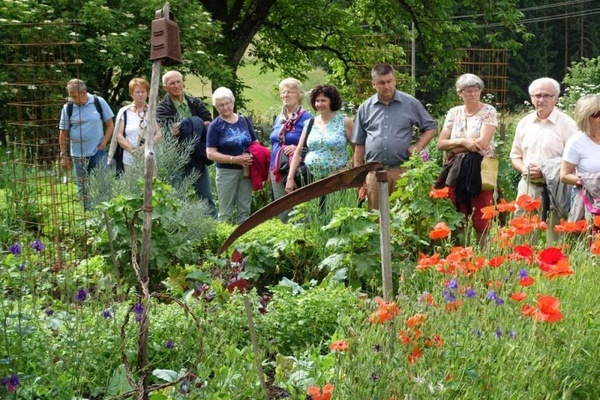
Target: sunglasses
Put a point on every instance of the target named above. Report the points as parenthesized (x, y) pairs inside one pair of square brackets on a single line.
[(596, 114)]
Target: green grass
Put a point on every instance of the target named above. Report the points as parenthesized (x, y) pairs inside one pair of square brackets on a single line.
[(262, 92)]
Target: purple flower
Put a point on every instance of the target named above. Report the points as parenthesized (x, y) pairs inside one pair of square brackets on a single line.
[(523, 273), (138, 310), (499, 301), (471, 293), (374, 377), (377, 348), (452, 284), (38, 245), (15, 249), (107, 314), (450, 297), (11, 383), (512, 334), (81, 295), (184, 387), (476, 332), (491, 295), (498, 333), (49, 312), (424, 155), (22, 267), (170, 345)]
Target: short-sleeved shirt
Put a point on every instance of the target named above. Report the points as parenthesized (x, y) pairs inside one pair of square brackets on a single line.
[(462, 127), (538, 140), (230, 139), (327, 147), (86, 128), (386, 130), (583, 152), (291, 137)]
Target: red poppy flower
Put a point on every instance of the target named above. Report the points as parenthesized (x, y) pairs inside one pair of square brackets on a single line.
[(427, 262), (439, 193), (528, 203), (495, 261), (439, 231), (339, 345), (414, 355), (551, 255), (548, 310), (560, 269), (527, 310), (526, 281), (503, 206), (523, 252), (315, 392), (437, 340), (518, 296), (404, 337), (597, 220), (595, 248)]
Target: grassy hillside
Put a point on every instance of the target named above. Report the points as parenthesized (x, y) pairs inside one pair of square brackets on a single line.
[(262, 91)]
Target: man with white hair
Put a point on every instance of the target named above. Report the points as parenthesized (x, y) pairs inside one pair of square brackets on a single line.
[(178, 107), (541, 135)]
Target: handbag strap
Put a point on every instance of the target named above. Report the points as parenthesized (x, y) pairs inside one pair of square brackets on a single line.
[(590, 207), (308, 129)]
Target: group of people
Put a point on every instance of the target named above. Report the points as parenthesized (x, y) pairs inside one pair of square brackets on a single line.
[(328, 141)]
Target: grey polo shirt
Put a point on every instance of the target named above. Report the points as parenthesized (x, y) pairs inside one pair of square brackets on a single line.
[(386, 131)]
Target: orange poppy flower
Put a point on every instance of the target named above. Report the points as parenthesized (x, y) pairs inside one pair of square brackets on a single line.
[(528, 203), (595, 248), (426, 298), (518, 296), (526, 281), (596, 220), (453, 306), (315, 392), (339, 345), (561, 268), (527, 310), (439, 193), (548, 309), (385, 311), (523, 225), (404, 337), (495, 261), (437, 340), (439, 231), (415, 320), (427, 262), (503, 206), (414, 355), (488, 212), (571, 227)]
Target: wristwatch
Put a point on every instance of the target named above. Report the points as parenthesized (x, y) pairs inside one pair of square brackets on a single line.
[(62, 154), (579, 183)]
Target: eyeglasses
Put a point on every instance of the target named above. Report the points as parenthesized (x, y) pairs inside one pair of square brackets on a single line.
[(223, 105), (285, 92), (596, 114), (542, 96)]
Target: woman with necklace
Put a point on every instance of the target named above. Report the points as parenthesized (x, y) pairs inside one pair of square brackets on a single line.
[(468, 133), (132, 123), (581, 159), (286, 132), (328, 140)]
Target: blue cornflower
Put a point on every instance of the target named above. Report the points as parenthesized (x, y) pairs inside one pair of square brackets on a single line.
[(38, 245), (81, 295), (15, 249), (491, 295), (523, 273), (476, 332), (452, 284), (450, 297), (499, 301), (512, 334), (11, 383), (498, 333), (170, 345), (377, 348), (22, 267), (107, 314), (471, 293), (183, 389), (49, 312)]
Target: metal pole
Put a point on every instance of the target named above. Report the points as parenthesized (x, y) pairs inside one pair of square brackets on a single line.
[(384, 228)]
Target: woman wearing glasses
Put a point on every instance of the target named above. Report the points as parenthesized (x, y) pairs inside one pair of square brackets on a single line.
[(227, 142), (581, 159), (467, 137)]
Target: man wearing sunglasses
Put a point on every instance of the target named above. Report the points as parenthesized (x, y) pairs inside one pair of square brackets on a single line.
[(541, 135)]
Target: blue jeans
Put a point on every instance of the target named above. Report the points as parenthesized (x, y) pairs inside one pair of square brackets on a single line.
[(83, 168)]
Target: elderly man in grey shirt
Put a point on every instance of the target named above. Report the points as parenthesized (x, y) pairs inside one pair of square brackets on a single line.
[(383, 129)]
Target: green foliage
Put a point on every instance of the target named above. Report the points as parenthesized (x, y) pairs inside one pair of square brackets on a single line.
[(302, 317), (583, 78)]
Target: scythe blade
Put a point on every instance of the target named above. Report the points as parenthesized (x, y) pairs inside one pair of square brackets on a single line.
[(350, 178)]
